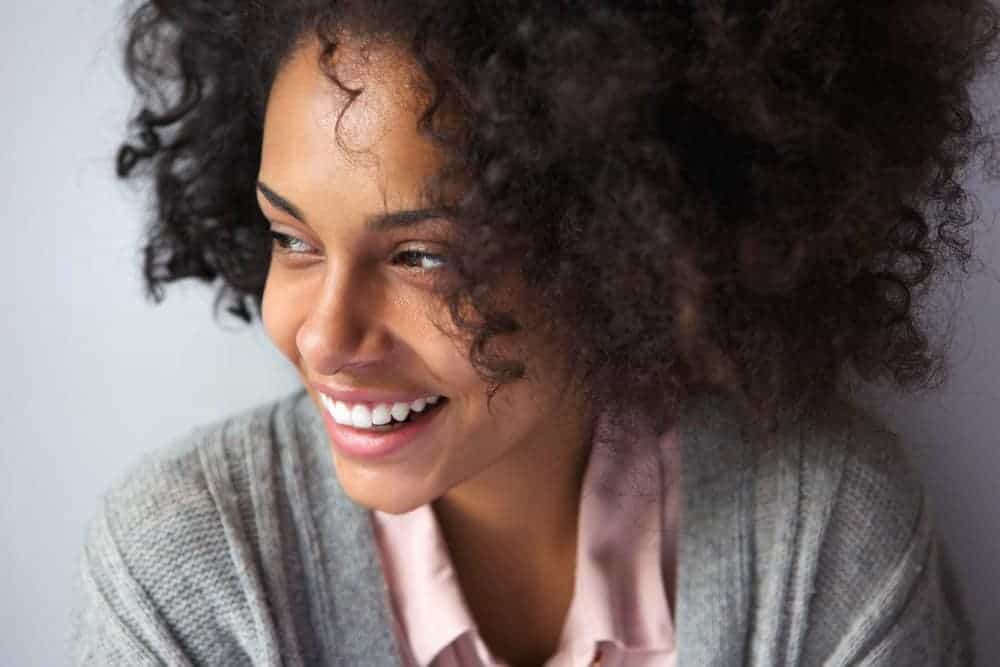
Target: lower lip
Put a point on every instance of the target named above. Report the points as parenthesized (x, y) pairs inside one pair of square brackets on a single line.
[(372, 445)]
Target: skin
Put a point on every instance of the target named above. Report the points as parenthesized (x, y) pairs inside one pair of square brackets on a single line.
[(346, 309)]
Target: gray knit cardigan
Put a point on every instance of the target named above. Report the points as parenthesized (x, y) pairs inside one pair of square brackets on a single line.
[(236, 545)]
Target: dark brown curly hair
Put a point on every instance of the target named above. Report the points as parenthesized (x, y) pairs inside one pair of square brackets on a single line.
[(735, 195)]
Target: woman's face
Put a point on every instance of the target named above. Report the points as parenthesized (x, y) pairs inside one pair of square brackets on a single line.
[(351, 306)]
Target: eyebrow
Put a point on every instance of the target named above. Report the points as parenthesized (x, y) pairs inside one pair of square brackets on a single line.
[(378, 223)]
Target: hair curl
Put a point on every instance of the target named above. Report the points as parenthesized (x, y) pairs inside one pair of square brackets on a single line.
[(744, 195)]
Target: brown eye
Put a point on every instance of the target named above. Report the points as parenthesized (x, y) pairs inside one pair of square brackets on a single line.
[(287, 244), (421, 261)]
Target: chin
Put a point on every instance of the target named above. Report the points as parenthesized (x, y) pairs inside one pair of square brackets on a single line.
[(371, 494), (390, 505)]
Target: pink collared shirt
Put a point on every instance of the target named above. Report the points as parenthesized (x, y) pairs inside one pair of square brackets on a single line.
[(619, 615)]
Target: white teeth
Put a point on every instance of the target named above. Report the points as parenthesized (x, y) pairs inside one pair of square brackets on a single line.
[(380, 415), (400, 411), (360, 416), (341, 413)]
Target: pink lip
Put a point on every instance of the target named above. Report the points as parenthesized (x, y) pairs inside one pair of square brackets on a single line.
[(372, 445), (373, 396)]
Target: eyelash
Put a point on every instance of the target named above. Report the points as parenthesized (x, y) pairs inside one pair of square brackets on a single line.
[(281, 243)]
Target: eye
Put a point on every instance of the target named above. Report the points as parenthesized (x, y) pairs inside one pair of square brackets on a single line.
[(415, 259), (425, 261), (288, 245)]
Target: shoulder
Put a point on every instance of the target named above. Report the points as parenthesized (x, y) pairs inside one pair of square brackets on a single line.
[(175, 491), (866, 567), (859, 497), (858, 466), (168, 555), (842, 464)]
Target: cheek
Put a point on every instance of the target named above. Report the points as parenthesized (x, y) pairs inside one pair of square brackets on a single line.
[(280, 317), (452, 365)]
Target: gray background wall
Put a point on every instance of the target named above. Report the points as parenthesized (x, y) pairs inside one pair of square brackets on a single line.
[(93, 376)]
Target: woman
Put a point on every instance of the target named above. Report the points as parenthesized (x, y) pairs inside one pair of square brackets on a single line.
[(527, 258)]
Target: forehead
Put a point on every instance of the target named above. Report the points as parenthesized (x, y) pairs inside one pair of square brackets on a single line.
[(316, 135)]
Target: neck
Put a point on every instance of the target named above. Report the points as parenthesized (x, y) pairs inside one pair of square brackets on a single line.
[(516, 523), (526, 505)]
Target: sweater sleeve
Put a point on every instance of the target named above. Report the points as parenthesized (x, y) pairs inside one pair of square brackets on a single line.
[(114, 622), (931, 628), (884, 592), (167, 575)]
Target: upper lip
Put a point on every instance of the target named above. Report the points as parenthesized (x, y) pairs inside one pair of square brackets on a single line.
[(366, 395)]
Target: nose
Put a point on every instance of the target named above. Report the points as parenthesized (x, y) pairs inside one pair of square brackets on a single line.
[(343, 327)]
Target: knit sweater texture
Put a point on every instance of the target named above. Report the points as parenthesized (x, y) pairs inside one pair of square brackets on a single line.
[(236, 545)]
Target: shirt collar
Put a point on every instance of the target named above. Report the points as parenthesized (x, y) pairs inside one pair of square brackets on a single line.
[(619, 593)]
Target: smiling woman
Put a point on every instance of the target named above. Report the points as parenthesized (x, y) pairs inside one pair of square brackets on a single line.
[(364, 329), (526, 258)]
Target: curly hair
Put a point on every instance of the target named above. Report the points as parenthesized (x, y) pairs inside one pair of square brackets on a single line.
[(743, 196)]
